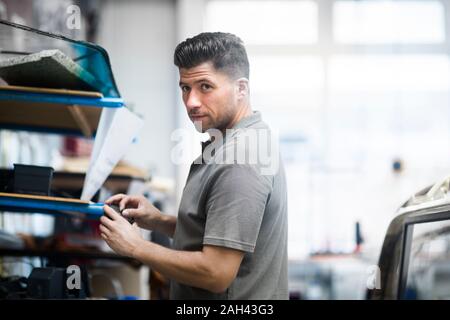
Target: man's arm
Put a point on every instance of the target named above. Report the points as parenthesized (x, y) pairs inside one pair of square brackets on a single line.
[(165, 224), (213, 268)]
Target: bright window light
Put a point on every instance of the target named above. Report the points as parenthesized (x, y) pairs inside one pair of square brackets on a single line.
[(290, 82), (265, 22), (389, 73), (289, 74), (377, 22)]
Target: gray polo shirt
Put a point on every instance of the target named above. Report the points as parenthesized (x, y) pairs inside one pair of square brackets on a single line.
[(240, 205)]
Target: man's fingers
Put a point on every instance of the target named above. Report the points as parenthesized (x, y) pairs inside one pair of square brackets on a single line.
[(136, 227), (104, 230), (110, 216), (110, 213), (124, 202), (131, 213), (106, 222), (116, 198)]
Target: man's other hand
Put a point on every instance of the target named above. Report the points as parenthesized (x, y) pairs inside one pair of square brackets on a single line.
[(119, 234)]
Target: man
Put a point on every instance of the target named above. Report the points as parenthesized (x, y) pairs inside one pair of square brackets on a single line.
[(230, 236)]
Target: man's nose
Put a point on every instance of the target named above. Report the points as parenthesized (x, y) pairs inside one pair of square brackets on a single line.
[(193, 100)]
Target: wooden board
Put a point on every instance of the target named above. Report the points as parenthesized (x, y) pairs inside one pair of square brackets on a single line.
[(45, 198), (48, 115), (90, 94)]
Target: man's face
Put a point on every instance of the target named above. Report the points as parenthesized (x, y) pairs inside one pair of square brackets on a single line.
[(210, 97)]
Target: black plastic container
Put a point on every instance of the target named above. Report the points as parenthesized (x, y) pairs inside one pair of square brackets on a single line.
[(6, 180), (32, 179)]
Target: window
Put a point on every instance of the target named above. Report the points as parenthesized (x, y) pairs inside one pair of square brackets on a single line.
[(290, 82), (393, 73), (377, 22), (265, 22), (428, 274)]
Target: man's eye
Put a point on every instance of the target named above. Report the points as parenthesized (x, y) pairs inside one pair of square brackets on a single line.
[(205, 86), (185, 88)]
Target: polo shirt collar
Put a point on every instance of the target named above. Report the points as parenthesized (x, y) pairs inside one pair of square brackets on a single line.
[(248, 121)]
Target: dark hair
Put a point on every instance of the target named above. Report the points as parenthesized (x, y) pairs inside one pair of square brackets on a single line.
[(225, 50)]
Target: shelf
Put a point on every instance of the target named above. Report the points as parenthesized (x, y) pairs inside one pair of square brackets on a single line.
[(57, 97), (45, 106), (18, 40), (68, 181), (53, 110), (115, 183), (50, 205), (42, 106), (71, 254)]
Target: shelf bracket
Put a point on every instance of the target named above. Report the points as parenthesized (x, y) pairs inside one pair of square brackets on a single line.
[(79, 117)]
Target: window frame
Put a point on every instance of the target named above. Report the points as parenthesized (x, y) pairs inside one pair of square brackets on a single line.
[(407, 238)]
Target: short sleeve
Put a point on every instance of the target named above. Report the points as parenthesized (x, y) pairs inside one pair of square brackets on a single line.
[(235, 206)]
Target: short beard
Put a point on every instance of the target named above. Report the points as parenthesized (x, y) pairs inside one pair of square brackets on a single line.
[(223, 123)]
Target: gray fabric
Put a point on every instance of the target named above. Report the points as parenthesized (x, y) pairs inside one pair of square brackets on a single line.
[(235, 206)]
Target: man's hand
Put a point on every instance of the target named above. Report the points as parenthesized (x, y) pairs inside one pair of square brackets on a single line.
[(146, 215), (136, 207), (119, 234)]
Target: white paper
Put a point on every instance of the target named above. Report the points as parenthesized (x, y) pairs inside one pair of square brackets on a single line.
[(117, 129)]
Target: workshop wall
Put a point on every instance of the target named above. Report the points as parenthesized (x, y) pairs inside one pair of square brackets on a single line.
[(141, 53)]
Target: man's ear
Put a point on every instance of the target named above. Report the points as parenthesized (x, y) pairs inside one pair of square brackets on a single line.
[(242, 87)]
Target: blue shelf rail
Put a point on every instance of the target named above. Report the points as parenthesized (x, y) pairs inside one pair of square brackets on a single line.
[(26, 205)]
